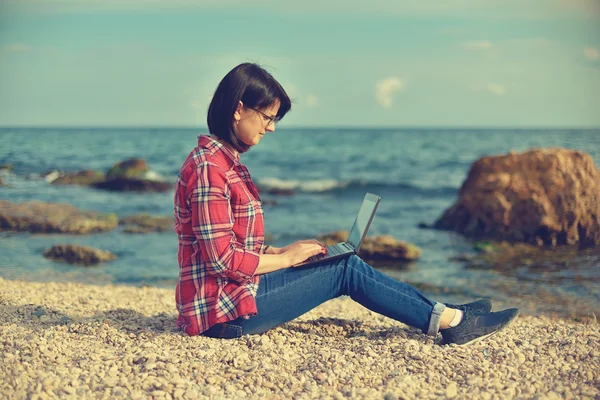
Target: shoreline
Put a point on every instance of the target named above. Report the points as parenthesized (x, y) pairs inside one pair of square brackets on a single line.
[(74, 340)]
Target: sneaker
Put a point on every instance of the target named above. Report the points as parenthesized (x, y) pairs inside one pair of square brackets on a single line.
[(483, 305), (477, 325)]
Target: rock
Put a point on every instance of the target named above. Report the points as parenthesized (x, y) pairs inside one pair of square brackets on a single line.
[(385, 247), (131, 168), (6, 167), (52, 175), (2, 182), (545, 197), (144, 223), (84, 178), (134, 185), (129, 175), (331, 238), (40, 217), (75, 254), (377, 248), (451, 390)]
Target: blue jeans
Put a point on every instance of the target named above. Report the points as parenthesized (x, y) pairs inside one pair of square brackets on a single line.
[(288, 293)]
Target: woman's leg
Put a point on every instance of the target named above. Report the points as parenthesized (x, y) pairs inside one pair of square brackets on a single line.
[(286, 294)]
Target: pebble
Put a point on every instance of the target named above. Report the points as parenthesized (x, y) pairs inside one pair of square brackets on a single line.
[(311, 357), (451, 390)]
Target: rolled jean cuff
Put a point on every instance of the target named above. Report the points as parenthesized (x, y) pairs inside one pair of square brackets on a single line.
[(434, 322)]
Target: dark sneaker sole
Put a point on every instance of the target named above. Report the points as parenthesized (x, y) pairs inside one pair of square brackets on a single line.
[(480, 338)]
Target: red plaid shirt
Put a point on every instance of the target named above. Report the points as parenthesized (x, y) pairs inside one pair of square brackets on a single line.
[(219, 221)]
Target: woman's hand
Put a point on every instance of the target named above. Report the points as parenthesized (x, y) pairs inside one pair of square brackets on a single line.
[(299, 251), (288, 247)]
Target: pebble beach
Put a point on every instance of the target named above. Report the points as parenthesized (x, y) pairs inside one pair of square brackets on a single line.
[(79, 341)]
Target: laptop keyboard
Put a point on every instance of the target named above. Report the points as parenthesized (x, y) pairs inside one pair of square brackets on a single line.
[(333, 250)]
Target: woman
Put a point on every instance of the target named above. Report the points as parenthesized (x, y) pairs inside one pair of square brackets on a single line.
[(231, 284)]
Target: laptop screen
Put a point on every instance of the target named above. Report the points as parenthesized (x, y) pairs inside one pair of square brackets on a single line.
[(363, 220)]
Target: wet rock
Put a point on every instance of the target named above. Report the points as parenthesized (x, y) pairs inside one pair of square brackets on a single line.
[(2, 182), (544, 197), (6, 167), (129, 175), (134, 185), (131, 168), (83, 178), (385, 247), (377, 248), (50, 175), (40, 217), (144, 223), (75, 254)]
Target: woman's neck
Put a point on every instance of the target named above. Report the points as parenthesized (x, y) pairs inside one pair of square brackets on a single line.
[(234, 151)]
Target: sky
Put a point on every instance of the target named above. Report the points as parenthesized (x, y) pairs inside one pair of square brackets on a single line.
[(344, 63)]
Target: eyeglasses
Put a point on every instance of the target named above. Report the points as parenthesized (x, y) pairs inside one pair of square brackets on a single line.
[(269, 120)]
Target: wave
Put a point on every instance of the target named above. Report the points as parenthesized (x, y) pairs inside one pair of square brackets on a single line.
[(334, 186)]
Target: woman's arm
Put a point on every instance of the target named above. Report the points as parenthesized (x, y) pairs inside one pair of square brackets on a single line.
[(272, 262), (290, 255)]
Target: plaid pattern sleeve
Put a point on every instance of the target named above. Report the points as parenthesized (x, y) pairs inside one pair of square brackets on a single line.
[(220, 226)]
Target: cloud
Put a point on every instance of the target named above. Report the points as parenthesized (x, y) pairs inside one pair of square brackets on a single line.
[(479, 45), (17, 48), (496, 88), (592, 53), (491, 87), (385, 88), (312, 101)]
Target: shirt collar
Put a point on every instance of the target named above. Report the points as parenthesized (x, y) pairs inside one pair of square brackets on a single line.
[(217, 148)]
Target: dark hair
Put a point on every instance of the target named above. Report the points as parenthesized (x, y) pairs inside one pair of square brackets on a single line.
[(256, 88)]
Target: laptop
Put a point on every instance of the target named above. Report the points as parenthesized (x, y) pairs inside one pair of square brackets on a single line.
[(355, 238)]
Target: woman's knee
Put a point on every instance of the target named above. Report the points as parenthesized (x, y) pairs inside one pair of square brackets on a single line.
[(355, 262)]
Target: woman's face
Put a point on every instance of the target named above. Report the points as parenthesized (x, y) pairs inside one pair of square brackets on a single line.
[(251, 125)]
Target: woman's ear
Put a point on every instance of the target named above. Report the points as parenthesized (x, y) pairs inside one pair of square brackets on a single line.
[(237, 115)]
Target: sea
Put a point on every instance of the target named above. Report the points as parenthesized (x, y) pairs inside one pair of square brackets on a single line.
[(416, 171)]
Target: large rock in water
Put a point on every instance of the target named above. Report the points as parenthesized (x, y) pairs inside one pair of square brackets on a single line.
[(75, 254), (377, 248), (131, 168), (134, 185), (39, 217), (545, 197), (132, 175), (83, 178)]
